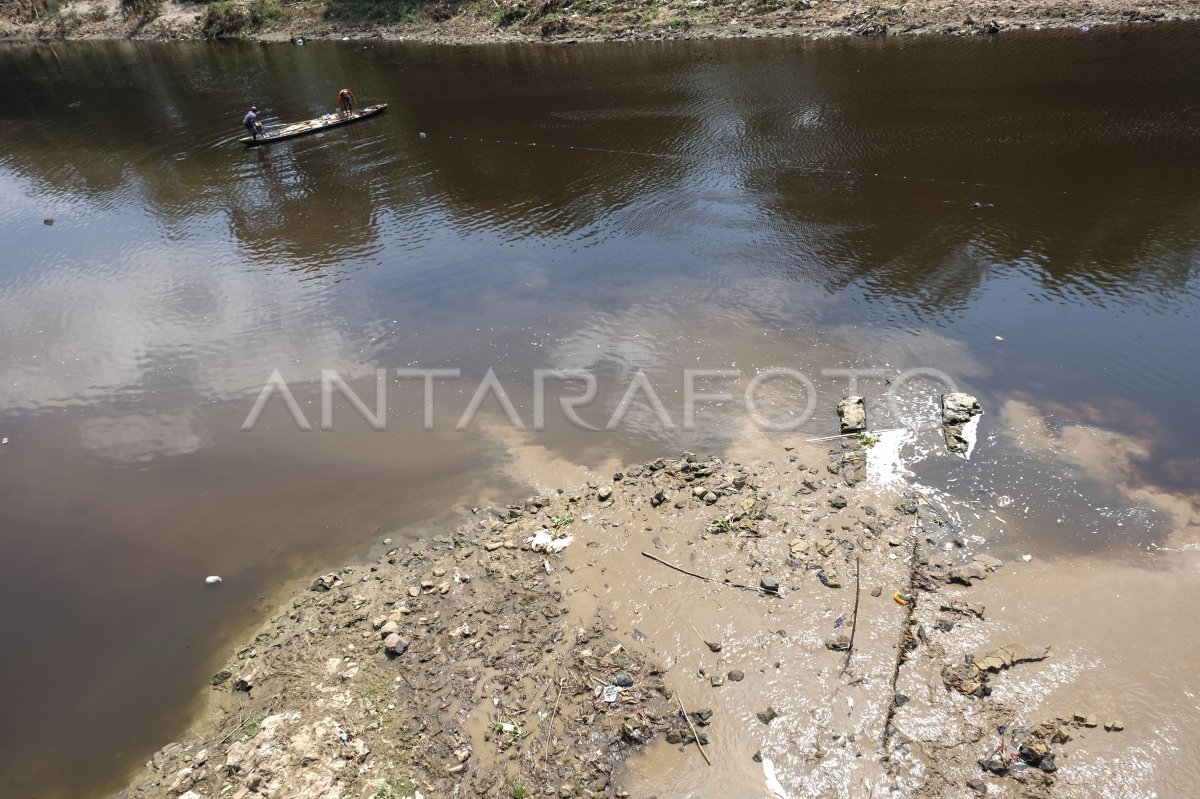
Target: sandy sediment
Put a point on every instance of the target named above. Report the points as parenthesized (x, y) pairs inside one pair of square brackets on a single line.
[(805, 618)]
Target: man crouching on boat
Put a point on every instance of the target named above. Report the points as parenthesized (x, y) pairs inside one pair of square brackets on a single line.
[(251, 122), (346, 100)]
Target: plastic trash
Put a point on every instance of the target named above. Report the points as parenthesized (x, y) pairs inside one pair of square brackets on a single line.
[(212, 580), (610, 693), (543, 541)]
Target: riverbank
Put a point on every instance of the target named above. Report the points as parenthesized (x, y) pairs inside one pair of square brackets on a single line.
[(477, 21), (821, 631)]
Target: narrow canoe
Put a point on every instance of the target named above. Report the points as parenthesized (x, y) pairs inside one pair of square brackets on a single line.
[(312, 126)]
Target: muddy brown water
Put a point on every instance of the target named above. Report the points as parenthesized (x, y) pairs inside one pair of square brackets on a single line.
[(1021, 213)]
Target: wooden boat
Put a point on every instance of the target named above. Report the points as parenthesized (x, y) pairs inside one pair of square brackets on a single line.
[(312, 126)]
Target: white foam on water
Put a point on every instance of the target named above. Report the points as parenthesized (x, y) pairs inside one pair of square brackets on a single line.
[(774, 788), (970, 432), (885, 459)]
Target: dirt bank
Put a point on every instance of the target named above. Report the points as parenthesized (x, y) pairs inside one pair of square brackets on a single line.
[(812, 624), (474, 21)]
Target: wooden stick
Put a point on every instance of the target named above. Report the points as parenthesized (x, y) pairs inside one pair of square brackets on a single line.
[(854, 616), (688, 719), (553, 713), (670, 565), (678, 568), (848, 435)]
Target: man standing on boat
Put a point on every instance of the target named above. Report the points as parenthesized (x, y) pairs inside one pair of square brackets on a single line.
[(251, 122), (345, 101)]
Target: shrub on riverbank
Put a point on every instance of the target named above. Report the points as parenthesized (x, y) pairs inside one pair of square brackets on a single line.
[(226, 18)]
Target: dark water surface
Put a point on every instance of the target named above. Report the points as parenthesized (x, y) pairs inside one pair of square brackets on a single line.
[(723, 205)]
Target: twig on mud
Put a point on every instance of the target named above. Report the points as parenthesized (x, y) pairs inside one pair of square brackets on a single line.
[(688, 719), (851, 435), (713, 646), (854, 615), (553, 713), (701, 576)]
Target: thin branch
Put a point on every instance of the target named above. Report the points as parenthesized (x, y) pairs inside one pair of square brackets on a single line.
[(688, 719), (854, 616), (702, 577)]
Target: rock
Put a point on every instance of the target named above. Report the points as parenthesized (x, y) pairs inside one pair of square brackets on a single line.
[(658, 498), (826, 547), (899, 699), (1086, 719), (622, 680), (829, 578), (221, 676), (325, 582), (710, 497), (716, 680), (838, 643), (838, 502), (1115, 725), (389, 628), (699, 491), (877, 590), (395, 645), (977, 785), (957, 410), (757, 756), (604, 494), (245, 682), (492, 546), (768, 715), (736, 675), (769, 584), (414, 591), (852, 412)]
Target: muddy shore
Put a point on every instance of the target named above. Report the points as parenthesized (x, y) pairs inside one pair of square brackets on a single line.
[(484, 21), (821, 630)]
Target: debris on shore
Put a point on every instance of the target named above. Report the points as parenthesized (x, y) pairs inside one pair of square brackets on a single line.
[(472, 663)]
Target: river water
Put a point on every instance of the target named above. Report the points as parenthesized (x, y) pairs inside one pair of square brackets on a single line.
[(1020, 213)]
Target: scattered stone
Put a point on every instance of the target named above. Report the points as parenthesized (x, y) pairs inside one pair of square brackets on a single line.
[(977, 785), (716, 680), (221, 676), (1115, 725), (852, 413), (838, 643), (736, 675), (492, 546), (829, 578), (604, 494), (622, 680), (757, 756), (877, 591), (1086, 719), (768, 715), (395, 645), (389, 628), (769, 584), (838, 502), (414, 591), (957, 410), (325, 582)]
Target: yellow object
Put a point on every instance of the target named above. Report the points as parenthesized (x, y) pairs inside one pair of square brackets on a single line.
[(899, 599)]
